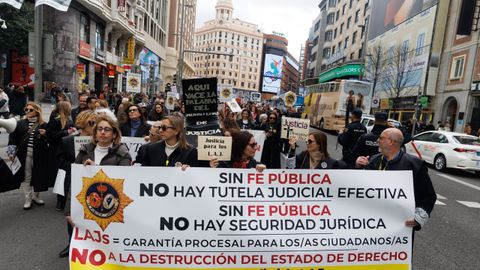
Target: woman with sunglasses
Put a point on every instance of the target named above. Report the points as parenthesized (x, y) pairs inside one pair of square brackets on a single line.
[(271, 147), (136, 125), (105, 147), (28, 143), (244, 148), (173, 150), (316, 156), (84, 122)]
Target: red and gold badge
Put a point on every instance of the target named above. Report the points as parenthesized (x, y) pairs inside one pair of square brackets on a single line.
[(103, 199)]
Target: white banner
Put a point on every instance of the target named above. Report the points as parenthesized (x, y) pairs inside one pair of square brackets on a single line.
[(295, 127), (170, 103), (233, 105), (61, 5), (225, 92), (132, 143), (134, 82), (259, 136), (166, 218), (15, 3), (210, 147)]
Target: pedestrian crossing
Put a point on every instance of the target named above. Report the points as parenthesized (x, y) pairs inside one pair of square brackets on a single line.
[(442, 201)]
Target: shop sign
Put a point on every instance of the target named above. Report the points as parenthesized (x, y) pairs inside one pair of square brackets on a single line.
[(346, 70), (130, 59), (111, 71), (85, 49)]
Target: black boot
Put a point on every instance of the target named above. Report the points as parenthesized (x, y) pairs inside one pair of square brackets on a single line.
[(60, 203), (64, 253)]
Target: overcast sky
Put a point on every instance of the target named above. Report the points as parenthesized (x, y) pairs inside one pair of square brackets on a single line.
[(290, 17)]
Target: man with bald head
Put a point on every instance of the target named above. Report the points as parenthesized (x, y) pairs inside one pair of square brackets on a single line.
[(391, 158)]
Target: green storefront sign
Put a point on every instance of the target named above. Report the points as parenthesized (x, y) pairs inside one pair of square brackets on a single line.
[(346, 70)]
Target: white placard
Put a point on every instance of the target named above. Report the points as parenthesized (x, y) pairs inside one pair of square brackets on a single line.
[(259, 136), (233, 105), (15, 165), (295, 127), (120, 83), (132, 143), (134, 82), (170, 102), (79, 141), (59, 187), (210, 147), (225, 92), (278, 219), (255, 97)]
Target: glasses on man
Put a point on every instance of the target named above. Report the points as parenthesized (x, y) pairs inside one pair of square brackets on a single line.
[(164, 128), (133, 110), (104, 129), (27, 110), (310, 141)]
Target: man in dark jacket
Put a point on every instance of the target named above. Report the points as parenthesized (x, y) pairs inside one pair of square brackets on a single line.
[(392, 159), (82, 106), (349, 137), (367, 144), (18, 101)]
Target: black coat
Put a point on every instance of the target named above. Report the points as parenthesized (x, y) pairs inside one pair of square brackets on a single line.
[(42, 165), (17, 102), (249, 125), (349, 138), (367, 144), (425, 196), (302, 161), (271, 147), (252, 163), (118, 155), (143, 130), (55, 133), (65, 156), (153, 154)]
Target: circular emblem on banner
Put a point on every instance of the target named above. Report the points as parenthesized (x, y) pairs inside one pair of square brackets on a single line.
[(133, 82), (103, 199), (226, 92), (290, 99), (323, 165)]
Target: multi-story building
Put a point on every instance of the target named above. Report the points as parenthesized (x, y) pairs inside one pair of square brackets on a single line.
[(404, 51), (97, 42), (174, 38), (241, 44), (311, 50), (457, 99)]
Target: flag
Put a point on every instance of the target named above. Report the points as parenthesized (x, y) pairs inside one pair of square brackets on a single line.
[(61, 5), (14, 3)]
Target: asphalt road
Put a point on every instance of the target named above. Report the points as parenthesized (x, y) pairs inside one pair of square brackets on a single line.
[(451, 240)]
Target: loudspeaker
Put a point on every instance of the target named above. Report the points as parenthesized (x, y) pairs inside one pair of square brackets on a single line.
[(8, 124)]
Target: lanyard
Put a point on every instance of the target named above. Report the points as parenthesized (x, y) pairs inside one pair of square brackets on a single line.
[(380, 167)]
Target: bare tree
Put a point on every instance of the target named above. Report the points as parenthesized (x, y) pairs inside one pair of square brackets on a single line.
[(375, 65)]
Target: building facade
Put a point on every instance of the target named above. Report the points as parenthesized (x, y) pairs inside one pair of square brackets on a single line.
[(240, 43), (458, 95)]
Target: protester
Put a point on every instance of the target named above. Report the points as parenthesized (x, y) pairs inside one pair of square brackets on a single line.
[(271, 146), (17, 102), (136, 125), (157, 113), (173, 150), (28, 143), (122, 114), (57, 128), (229, 124), (91, 103), (391, 158), (82, 106), (315, 157), (262, 124), (66, 156), (105, 147), (244, 147), (246, 122), (349, 137), (4, 110), (367, 144)]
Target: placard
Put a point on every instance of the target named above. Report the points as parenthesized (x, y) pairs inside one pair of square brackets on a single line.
[(233, 105), (240, 219), (210, 147), (132, 143), (259, 136), (134, 82), (295, 127), (170, 102), (225, 92)]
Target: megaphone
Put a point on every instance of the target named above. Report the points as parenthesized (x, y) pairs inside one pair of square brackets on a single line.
[(8, 124)]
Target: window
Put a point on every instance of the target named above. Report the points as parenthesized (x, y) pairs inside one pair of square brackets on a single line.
[(331, 18), (456, 71), (328, 36), (338, 15), (349, 20), (354, 37), (346, 43), (404, 52), (357, 16), (326, 52), (420, 44), (341, 28), (343, 9), (350, 5), (84, 28), (99, 37), (426, 137), (335, 33)]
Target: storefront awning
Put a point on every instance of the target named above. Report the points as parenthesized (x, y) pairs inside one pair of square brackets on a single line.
[(93, 61)]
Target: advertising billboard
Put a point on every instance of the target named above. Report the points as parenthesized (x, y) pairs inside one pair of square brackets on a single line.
[(272, 73), (387, 14)]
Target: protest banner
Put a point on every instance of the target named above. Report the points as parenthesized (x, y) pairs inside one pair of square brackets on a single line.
[(210, 147), (233, 105), (259, 136), (166, 218), (295, 127), (201, 105), (134, 82), (171, 98), (132, 143), (225, 92)]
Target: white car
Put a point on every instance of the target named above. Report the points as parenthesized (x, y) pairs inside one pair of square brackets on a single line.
[(368, 121), (446, 149)]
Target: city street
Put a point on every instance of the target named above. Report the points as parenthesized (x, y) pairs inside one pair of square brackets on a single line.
[(32, 239)]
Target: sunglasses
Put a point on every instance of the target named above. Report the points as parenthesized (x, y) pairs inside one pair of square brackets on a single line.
[(164, 128), (106, 129), (27, 110), (273, 118), (310, 141), (133, 110), (253, 145), (91, 123)]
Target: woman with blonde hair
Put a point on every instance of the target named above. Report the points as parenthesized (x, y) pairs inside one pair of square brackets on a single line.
[(173, 150), (105, 147), (28, 143)]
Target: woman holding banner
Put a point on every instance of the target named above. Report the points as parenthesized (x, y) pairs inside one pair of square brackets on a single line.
[(315, 157), (105, 147), (173, 150), (244, 147), (135, 125)]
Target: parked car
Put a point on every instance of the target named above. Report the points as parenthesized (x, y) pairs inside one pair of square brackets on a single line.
[(446, 149)]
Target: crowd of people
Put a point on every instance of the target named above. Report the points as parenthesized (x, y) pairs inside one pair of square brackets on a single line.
[(108, 117)]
